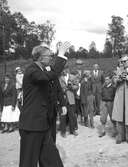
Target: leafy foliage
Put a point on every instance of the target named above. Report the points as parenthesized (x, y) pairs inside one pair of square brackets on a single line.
[(107, 48), (47, 32), (116, 34), (93, 53), (18, 36)]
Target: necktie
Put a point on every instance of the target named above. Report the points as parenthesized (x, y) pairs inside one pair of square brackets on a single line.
[(96, 73)]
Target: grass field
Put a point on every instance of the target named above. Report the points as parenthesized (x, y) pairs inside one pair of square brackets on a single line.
[(106, 64)]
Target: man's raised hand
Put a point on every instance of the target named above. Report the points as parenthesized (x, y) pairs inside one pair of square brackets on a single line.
[(64, 48)]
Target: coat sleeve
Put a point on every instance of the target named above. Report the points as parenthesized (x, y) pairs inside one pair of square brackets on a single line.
[(14, 97), (102, 77), (94, 103), (43, 75), (102, 91), (60, 94), (82, 93), (1, 99), (39, 76)]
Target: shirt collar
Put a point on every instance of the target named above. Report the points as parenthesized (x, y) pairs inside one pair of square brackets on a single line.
[(108, 85), (39, 65)]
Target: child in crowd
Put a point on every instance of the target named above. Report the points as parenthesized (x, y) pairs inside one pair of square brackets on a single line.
[(71, 106), (108, 94), (84, 89)]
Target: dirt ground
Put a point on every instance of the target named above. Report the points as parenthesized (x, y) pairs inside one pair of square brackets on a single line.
[(84, 150)]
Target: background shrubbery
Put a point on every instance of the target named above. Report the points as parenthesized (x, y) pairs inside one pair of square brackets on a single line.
[(106, 64)]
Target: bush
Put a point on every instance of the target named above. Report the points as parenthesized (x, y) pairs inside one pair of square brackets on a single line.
[(106, 64)]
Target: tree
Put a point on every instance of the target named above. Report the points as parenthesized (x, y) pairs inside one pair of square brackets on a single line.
[(21, 30), (47, 32), (93, 53), (31, 41), (126, 44), (21, 21), (4, 6), (18, 36), (82, 53), (116, 34), (92, 45), (7, 25), (24, 37), (107, 48), (72, 53)]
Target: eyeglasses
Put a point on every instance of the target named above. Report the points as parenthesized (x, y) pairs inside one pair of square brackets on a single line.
[(123, 61), (47, 56)]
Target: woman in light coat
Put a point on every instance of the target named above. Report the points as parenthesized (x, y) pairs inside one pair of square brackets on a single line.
[(120, 107)]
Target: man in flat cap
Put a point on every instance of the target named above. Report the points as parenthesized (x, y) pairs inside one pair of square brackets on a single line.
[(36, 144)]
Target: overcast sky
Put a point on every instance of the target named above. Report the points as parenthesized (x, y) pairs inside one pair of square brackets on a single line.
[(79, 21)]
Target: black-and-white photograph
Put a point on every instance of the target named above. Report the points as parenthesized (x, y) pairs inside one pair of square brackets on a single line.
[(63, 83)]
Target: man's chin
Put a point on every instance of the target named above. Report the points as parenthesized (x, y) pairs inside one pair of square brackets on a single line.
[(45, 63)]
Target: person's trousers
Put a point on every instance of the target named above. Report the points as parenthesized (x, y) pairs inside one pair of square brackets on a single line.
[(122, 130), (38, 148), (106, 108), (53, 128), (78, 107), (63, 124), (84, 113), (91, 115), (84, 110), (72, 118), (98, 101)]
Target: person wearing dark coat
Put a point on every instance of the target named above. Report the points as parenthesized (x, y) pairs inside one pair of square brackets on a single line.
[(1, 99), (84, 89), (97, 80), (120, 106), (10, 112), (57, 104), (71, 107), (63, 118), (1, 106), (36, 144)]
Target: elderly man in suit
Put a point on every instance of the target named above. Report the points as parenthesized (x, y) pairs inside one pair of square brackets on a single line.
[(36, 144), (97, 79)]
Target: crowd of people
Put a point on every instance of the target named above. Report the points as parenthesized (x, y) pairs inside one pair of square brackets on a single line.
[(47, 92), (82, 92), (94, 93)]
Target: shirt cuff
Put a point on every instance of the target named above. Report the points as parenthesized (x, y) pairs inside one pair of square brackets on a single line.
[(62, 56)]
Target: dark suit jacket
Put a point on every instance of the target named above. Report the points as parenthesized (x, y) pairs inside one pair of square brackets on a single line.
[(84, 88), (56, 98), (36, 98), (97, 81)]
